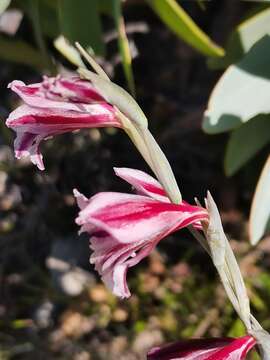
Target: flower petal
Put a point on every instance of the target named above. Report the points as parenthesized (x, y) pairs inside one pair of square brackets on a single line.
[(57, 92), (125, 228), (143, 183), (132, 218), (35, 124), (40, 120), (204, 349), (27, 144)]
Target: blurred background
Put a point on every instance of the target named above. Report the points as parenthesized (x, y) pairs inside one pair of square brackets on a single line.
[(52, 303)]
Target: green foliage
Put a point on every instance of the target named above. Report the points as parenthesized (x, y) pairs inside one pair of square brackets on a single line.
[(242, 92), (177, 20), (80, 21), (21, 52), (123, 45), (243, 145), (237, 329), (240, 103), (243, 38), (260, 209)]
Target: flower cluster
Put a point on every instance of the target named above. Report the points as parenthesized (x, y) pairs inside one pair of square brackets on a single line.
[(124, 228)]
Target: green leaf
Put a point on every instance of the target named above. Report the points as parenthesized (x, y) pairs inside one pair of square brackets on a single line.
[(173, 15), (242, 92), (21, 52), (80, 21), (245, 142), (106, 7), (260, 208), (49, 19), (243, 38), (34, 12), (4, 4), (237, 329), (123, 45)]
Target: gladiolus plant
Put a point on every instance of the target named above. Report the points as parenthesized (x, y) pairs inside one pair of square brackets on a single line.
[(124, 228)]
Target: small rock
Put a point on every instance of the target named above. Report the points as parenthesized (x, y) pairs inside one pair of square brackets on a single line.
[(75, 325), (145, 340), (118, 345), (43, 314), (82, 355), (64, 263), (120, 315), (98, 294)]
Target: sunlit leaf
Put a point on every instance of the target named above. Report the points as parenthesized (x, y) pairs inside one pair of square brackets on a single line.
[(243, 38), (173, 15), (123, 45), (242, 92), (245, 142), (80, 21), (260, 209)]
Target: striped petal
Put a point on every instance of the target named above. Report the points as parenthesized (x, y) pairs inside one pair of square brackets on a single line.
[(205, 349), (143, 183), (32, 125), (124, 228), (57, 92)]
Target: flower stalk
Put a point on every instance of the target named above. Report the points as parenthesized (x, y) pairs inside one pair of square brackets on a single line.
[(214, 240)]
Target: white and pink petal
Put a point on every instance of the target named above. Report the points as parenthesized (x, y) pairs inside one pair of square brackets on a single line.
[(205, 349), (124, 228), (143, 183)]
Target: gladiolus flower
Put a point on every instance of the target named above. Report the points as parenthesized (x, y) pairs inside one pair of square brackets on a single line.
[(55, 106), (204, 349), (125, 228)]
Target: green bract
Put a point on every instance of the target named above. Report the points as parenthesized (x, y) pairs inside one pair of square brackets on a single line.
[(118, 97)]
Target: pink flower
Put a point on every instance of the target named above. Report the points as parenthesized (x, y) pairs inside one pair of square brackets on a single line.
[(204, 349), (55, 106), (125, 228)]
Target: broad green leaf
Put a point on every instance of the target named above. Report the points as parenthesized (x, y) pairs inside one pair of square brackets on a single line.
[(260, 208), (243, 38), (123, 45), (34, 12), (106, 7), (173, 15), (80, 21), (242, 92), (4, 4), (21, 52), (245, 142), (49, 18)]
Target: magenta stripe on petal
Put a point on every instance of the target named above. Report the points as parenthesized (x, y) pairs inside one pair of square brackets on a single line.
[(143, 183), (204, 349), (124, 228)]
